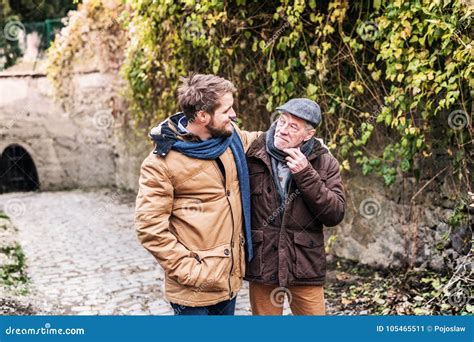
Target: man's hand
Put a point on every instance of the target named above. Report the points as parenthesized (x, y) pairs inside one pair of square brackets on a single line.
[(295, 160)]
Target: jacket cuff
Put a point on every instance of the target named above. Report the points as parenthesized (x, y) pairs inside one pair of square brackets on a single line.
[(308, 169), (307, 176)]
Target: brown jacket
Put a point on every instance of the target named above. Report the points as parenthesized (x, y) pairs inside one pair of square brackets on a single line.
[(288, 239), (189, 217)]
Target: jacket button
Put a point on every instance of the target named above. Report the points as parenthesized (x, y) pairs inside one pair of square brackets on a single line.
[(311, 244), (228, 193), (273, 277), (269, 189), (275, 248), (226, 251)]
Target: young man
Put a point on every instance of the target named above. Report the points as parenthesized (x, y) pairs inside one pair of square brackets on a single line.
[(296, 188), (193, 205)]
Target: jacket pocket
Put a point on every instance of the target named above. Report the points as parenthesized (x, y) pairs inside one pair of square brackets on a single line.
[(213, 269), (254, 268), (310, 258)]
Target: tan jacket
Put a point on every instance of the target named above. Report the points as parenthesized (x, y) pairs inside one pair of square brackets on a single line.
[(190, 219)]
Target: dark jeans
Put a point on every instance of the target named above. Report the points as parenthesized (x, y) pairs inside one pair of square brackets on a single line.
[(225, 308)]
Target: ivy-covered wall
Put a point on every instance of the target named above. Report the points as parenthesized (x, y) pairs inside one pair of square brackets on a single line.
[(394, 78), (392, 73)]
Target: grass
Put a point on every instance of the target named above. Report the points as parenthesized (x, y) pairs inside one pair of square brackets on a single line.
[(13, 274)]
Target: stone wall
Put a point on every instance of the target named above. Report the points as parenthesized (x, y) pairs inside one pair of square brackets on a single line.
[(93, 145), (401, 226), (70, 149)]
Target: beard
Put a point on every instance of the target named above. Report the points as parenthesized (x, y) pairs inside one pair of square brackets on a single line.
[(280, 143), (218, 132)]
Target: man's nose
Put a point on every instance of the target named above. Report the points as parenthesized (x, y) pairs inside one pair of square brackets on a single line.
[(233, 115), (283, 130)]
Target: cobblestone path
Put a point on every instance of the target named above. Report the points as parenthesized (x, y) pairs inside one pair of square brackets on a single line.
[(83, 256)]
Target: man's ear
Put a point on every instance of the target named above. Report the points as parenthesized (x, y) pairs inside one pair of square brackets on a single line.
[(202, 117), (309, 134)]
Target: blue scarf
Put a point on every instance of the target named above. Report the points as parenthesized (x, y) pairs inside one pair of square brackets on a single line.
[(210, 150)]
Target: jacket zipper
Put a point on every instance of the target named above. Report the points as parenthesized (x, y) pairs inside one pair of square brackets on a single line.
[(232, 262), (231, 247)]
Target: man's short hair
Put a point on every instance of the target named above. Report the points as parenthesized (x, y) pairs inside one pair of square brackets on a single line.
[(202, 92)]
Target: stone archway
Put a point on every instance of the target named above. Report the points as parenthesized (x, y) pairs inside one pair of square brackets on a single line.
[(17, 170)]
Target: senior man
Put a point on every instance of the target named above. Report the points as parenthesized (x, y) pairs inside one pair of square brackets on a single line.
[(296, 189)]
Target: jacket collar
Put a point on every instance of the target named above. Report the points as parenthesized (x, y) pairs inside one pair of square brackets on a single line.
[(258, 150), (165, 134)]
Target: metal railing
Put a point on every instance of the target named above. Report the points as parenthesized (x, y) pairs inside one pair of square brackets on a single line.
[(14, 39)]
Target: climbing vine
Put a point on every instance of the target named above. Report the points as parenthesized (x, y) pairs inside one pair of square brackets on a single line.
[(93, 39), (393, 78)]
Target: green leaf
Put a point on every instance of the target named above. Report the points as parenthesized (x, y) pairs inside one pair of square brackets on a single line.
[(311, 90)]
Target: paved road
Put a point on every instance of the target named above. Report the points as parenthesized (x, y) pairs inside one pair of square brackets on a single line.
[(83, 255)]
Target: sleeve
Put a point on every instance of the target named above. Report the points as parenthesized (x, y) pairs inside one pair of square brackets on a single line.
[(152, 220), (325, 199)]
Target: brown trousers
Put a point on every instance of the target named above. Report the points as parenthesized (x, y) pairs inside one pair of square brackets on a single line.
[(303, 299)]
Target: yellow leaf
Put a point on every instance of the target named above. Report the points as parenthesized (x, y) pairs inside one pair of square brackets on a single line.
[(346, 165), (345, 301)]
